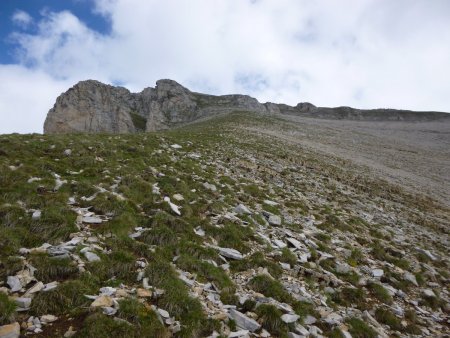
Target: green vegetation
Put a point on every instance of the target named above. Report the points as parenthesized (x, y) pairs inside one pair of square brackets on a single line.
[(351, 296), (115, 177), (50, 269), (380, 293), (255, 261), (139, 122), (270, 317), (176, 299), (270, 287), (68, 297), (359, 329), (205, 271), (7, 309), (385, 316), (287, 256)]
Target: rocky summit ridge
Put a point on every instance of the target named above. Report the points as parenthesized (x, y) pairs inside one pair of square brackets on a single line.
[(94, 107)]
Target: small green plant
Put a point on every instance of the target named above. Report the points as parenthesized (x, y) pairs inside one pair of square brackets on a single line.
[(269, 287), (50, 269), (255, 261), (119, 265), (350, 296), (270, 317), (99, 325), (139, 122), (303, 309), (379, 292), (176, 299), (68, 297), (205, 271), (385, 316), (7, 309), (249, 305), (359, 329), (287, 256), (227, 296)]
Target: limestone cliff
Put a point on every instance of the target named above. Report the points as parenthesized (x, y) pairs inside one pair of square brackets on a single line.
[(93, 107)]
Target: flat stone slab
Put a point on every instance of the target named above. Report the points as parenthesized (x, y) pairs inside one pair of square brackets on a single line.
[(243, 321), (230, 253), (92, 220), (289, 318), (91, 257)]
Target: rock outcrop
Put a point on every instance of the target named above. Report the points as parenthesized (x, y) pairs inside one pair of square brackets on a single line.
[(93, 107)]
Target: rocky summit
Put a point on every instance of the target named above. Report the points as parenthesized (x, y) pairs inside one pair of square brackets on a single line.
[(93, 107), (260, 220)]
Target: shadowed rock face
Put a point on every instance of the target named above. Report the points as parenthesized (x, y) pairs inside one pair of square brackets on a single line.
[(93, 107)]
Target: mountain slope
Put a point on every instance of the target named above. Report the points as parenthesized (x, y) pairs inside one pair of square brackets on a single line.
[(91, 106), (216, 227)]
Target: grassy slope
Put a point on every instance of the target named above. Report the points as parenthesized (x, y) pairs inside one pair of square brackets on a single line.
[(245, 168)]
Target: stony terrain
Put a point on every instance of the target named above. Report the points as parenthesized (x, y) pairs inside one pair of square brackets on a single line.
[(238, 226), (91, 107)]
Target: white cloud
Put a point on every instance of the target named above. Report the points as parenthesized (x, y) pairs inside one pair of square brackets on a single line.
[(362, 53), (25, 97), (21, 19)]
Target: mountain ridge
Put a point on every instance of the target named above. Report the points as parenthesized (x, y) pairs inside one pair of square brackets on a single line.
[(92, 106)]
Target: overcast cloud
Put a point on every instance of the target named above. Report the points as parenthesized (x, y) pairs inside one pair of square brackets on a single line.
[(361, 53)]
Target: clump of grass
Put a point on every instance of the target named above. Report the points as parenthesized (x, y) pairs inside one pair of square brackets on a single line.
[(68, 297), (205, 271), (160, 235), (119, 264), (176, 299), (229, 297), (350, 296), (56, 223), (99, 325), (323, 237), (385, 316), (255, 261), (249, 305), (379, 292), (50, 269), (232, 236), (253, 190), (303, 309), (270, 317), (270, 287), (145, 322), (10, 266), (359, 329), (432, 302), (7, 309), (287, 256), (355, 258), (352, 277)]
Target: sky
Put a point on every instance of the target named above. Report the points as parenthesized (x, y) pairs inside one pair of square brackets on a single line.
[(359, 53)]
